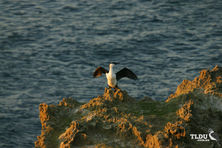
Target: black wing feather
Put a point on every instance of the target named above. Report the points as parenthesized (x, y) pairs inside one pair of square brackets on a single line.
[(125, 72), (99, 71)]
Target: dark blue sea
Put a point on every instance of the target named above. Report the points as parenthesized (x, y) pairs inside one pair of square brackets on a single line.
[(50, 48)]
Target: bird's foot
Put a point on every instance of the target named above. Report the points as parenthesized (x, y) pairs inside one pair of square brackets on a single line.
[(116, 88)]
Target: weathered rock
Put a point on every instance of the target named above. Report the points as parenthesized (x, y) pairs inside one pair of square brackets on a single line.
[(117, 120), (209, 81)]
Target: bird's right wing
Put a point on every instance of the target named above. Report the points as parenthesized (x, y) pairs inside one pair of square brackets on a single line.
[(99, 71), (125, 72)]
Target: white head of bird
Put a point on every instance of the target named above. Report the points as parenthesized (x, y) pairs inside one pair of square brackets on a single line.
[(111, 65)]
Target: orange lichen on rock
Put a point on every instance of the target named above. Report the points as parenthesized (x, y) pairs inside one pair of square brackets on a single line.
[(44, 117), (70, 135), (52, 118), (138, 135), (209, 81), (68, 102), (152, 141), (92, 103), (118, 95), (43, 114), (109, 96), (174, 130), (102, 146), (177, 129), (219, 79), (185, 112)]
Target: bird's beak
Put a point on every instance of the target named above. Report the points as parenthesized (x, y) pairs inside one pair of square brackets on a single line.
[(115, 63)]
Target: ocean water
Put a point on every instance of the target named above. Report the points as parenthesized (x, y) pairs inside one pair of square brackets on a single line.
[(50, 48)]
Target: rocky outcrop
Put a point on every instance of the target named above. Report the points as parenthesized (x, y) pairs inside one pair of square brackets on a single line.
[(117, 120), (209, 81)]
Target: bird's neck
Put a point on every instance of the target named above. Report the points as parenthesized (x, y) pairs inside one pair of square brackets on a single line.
[(111, 70)]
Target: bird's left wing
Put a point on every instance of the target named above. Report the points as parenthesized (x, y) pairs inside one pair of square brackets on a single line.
[(125, 72), (99, 71)]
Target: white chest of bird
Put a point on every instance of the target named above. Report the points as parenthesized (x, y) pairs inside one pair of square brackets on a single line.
[(111, 79)]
